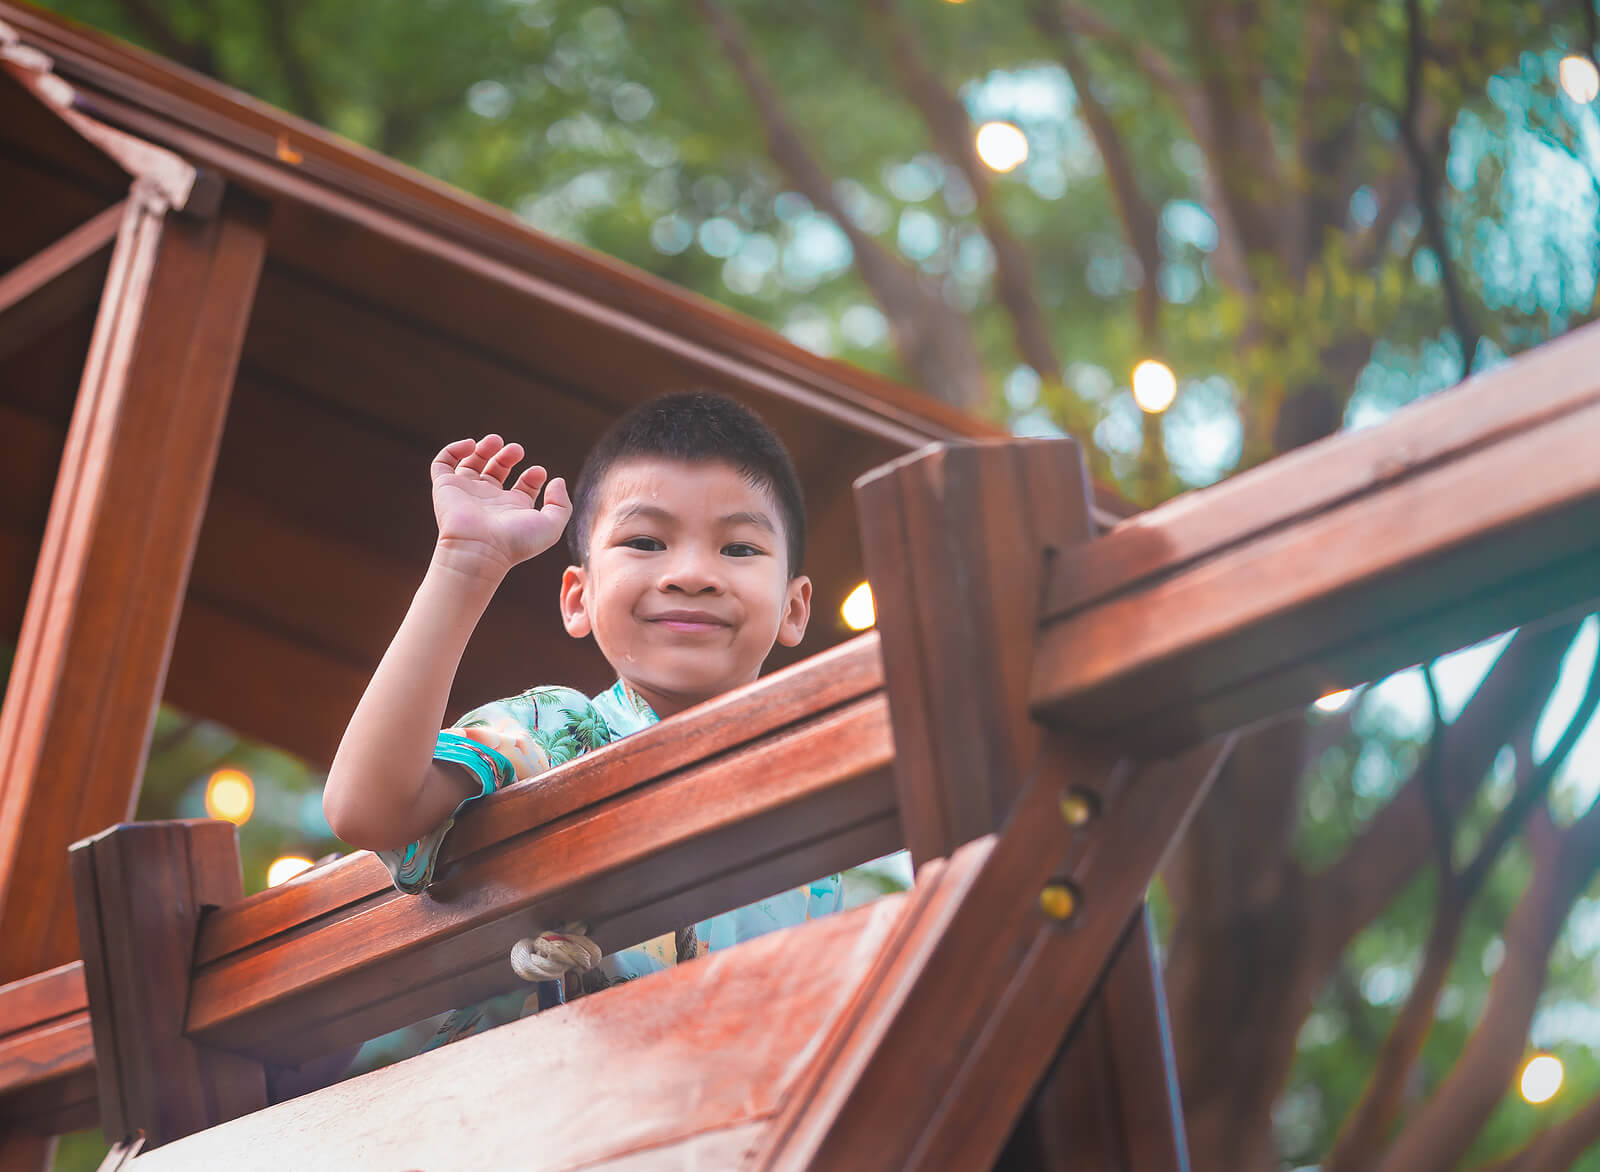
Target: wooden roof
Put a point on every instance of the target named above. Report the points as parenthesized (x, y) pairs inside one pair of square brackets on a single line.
[(393, 314)]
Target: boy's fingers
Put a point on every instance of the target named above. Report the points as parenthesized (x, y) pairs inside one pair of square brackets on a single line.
[(503, 461), (449, 456), (531, 480), (481, 453), (555, 496)]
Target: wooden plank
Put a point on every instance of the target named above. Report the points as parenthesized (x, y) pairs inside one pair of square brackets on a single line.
[(47, 1053), (676, 823), (944, 1054), (105, 597), (956, 539), (141, 889), (1110, 1100), (625, 1075), (57, 282), (1496, 525)]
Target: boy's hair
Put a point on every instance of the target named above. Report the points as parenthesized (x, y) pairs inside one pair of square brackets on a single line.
[(696, 427)]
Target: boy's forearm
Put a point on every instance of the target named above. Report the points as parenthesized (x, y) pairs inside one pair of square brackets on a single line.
[(384, 789)]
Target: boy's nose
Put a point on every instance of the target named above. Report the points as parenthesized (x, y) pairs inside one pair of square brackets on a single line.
[(692, 575)]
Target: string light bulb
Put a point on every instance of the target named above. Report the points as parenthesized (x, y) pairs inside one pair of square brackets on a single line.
[(286, 868), (1334, 701), (1154, 386), (857, 609), (1541, 1078), (1579, 78), (230, 796), (1002, 146)]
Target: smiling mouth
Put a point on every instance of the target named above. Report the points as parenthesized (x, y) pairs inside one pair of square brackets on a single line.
[(687, 621)]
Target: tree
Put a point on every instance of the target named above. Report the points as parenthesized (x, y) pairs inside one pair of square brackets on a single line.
[(1313, 210)]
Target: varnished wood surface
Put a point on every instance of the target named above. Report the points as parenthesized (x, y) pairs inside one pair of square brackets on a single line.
[(945, 1053), (762, 789), (106, 594), (633, 1074), (956, 541), (1454, 520), (140, 890), (46, 1044)]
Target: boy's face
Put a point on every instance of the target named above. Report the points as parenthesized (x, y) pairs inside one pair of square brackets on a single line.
[(687, 586)]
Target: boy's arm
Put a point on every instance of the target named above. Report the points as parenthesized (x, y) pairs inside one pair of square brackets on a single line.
[(384, 787)]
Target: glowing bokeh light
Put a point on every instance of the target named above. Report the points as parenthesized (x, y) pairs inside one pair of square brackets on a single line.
[(858, 610), (1579, 79), (1334, 701), (1002, 146), (231, 796), (1541, 1078), (286, 868), (1154, 386)]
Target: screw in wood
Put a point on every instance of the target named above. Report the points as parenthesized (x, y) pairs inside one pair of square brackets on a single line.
[(1059, 901), (1078, 807)]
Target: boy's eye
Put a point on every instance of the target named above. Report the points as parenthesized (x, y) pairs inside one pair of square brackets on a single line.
[(648, 544), (741, 549)]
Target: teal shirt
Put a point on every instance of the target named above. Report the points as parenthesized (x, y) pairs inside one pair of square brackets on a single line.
[(522, 736)]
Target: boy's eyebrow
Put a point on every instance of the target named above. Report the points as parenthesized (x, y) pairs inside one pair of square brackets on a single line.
[(656, 513)]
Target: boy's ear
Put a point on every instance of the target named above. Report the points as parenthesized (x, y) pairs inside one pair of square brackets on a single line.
[(796, 611), (574, 602)]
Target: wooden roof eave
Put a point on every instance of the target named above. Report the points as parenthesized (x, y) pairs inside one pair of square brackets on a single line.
[(248, 143)]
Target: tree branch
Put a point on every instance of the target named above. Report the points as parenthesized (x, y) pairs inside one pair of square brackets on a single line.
[(952, 134), (1139, 223), (1385, 856), (933, 340), (1444, 1129), (1461, 321), (291, 62), (1556, 1148), (1361, 1138)]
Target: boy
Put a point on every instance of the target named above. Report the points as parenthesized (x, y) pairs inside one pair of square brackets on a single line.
[(687, 530)]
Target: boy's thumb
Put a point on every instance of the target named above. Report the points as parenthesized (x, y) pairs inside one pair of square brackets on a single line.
[(555, 494)]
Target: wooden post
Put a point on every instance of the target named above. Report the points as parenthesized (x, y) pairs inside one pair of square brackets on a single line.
[(947, 1052), (141, 889), (956, 540), (135, 475)]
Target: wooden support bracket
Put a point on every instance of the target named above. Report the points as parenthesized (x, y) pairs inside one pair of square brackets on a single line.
[(141, 889)]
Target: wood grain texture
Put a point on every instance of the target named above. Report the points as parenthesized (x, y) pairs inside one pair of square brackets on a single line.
[(1455, 528), (106, 594), (676, 823), (956, 539), (632, 1075), (945, 1054), (141, 889)]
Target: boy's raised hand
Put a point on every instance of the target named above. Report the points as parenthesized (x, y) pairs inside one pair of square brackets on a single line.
[(486, 527)]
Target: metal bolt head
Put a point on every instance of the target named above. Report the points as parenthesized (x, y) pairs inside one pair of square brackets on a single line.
[(1058, 901), (1077, 808)]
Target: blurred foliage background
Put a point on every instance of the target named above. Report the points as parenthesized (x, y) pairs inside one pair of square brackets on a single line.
[(1310, 212)]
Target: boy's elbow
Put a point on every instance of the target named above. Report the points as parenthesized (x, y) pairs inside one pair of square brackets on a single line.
[(349, 823)]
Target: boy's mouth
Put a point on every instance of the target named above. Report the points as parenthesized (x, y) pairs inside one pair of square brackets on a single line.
[(687, 620)]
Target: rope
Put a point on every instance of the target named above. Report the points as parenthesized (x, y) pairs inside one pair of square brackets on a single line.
[(549, 955)]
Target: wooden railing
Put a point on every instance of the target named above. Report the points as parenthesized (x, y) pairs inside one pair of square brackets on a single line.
[(1351, 559)]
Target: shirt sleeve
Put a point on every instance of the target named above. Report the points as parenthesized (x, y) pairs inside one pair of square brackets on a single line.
[(496, 744)]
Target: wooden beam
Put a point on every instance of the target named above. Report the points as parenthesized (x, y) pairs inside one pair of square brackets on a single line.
[(140, 890), (1473, 512), (112, 569), (631, 1075), (755, 792), (956, 539), (46, 1046), (942, 1055), (57, 281), (1110, 1101)]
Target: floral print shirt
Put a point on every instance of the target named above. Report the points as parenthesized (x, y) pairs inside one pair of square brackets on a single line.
[(523, 735)]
